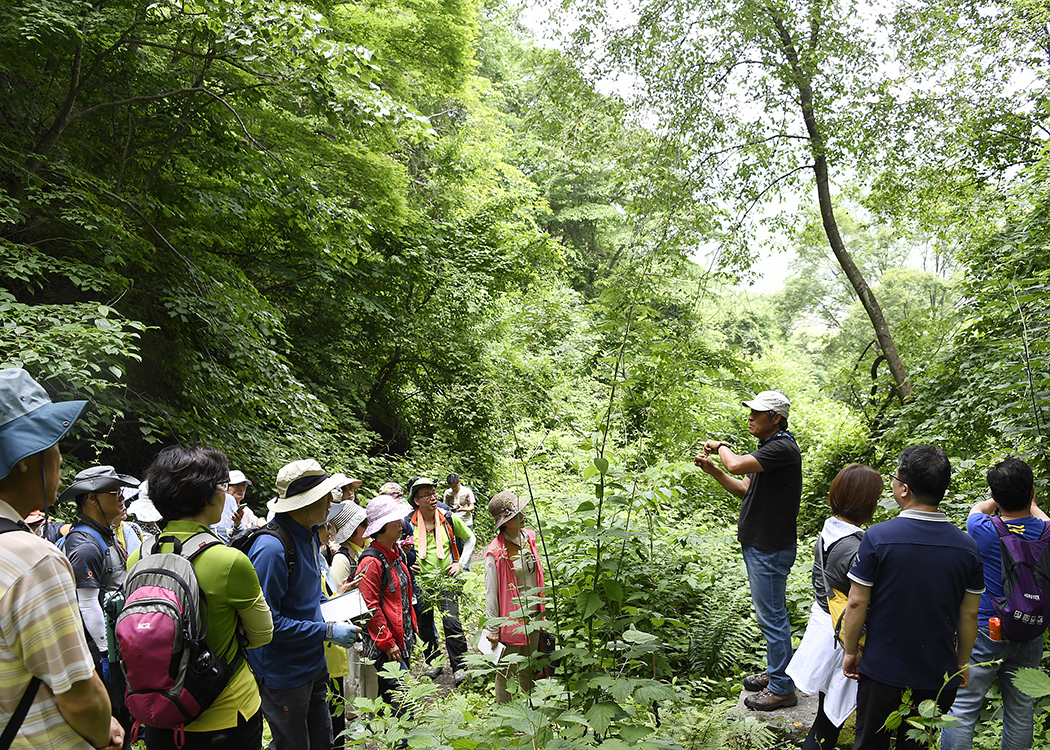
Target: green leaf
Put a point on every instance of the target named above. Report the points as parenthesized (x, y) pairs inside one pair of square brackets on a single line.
[(600, 716), (928, 709), (591, 604), (602, 465), (1035, 683)]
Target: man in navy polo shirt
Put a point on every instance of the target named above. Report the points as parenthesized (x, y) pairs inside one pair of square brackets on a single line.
[(1013, 494), (917, 581)]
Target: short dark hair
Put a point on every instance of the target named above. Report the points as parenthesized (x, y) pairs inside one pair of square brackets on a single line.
[(1011, 482), (453, 478), (855, 493), (183, 480), (772, 414), (926, 470)]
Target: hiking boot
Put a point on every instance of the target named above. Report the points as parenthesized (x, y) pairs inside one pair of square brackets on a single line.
[(755, 682), (764, 700), (460, 677), (435, 672)]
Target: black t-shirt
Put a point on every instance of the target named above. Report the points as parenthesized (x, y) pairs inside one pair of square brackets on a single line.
[(769, 511)]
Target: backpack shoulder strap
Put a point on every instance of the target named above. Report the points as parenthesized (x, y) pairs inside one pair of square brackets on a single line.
[(291, 555), (19, 716), (1000, 527), (6, 524), (88, 529), (244, 542), (446, 518), (198, 543)]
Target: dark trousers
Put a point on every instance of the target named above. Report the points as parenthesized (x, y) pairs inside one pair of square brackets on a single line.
[(823, 734), (455, 642), (876, 701), (299, 718), (390, 690), (338, 709), (247, 735)]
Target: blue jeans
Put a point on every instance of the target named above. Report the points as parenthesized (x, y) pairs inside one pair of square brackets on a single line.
[(767, 572), (1017, 707)]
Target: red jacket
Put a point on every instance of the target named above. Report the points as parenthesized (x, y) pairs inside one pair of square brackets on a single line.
[(380, 625)]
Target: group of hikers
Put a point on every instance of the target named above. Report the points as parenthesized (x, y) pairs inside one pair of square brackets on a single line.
[(192, 623), (199, 619), (914, 607)]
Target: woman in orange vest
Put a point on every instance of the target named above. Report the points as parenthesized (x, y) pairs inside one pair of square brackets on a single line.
[(513, 572)]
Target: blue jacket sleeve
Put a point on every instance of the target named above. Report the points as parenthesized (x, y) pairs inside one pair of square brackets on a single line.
[(285, 601)]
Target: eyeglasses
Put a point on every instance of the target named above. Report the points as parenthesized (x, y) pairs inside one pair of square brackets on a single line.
[(223, 486), (894, 476), (427, 496)]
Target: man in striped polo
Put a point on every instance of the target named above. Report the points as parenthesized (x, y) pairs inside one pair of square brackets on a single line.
[(50, 694)]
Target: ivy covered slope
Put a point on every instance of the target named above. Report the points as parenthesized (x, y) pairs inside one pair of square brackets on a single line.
[(280, 229)]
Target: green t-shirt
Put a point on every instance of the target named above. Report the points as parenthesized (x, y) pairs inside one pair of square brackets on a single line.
[(230, 583), (432, 562)]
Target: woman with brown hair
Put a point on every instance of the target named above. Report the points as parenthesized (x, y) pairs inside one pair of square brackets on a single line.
[(817, 664)]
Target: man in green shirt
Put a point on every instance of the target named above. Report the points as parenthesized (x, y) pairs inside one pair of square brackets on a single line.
[(435, 542)]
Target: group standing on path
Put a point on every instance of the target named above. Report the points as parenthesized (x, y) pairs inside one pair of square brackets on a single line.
[(262, 593), (911, 595), (261, 585)]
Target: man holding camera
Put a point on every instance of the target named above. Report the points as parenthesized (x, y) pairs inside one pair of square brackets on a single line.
[(769, 482)]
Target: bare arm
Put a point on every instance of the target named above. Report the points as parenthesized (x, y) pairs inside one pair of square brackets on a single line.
[(985, 506), (733, 462), (967, 631), (731, 484), (86, 708), (1036, 511), (852, 624)]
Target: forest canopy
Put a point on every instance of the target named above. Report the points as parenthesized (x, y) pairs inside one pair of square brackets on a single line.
[(404, 238)]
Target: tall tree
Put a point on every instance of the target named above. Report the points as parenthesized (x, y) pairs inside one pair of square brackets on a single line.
[(767, 90)]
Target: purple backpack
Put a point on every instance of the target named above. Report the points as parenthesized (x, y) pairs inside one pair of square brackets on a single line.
[(172, 675), (1024, 608)]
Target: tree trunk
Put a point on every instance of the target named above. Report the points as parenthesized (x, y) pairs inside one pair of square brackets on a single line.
[(803, 82)]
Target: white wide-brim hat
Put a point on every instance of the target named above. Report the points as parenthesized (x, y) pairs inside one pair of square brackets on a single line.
[(299, 484), (383, 509)]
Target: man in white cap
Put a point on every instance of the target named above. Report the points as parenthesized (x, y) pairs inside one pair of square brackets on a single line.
[(771, 490), (41, 634), (236, 515), (291, 669)]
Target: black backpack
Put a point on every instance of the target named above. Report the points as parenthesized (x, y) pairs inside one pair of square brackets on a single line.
[(245, 539), (386, 581)]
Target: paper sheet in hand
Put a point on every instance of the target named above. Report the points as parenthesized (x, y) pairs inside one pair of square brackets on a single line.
[(344, 608), (485, 646)]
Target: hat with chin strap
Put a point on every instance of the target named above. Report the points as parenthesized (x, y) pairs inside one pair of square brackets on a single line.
[(299, 484), (97, 479), (29, 421)]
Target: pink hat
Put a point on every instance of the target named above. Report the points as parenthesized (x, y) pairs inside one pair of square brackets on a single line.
[(381, 510)]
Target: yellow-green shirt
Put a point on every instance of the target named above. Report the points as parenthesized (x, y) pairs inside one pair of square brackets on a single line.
[(231, 585)]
